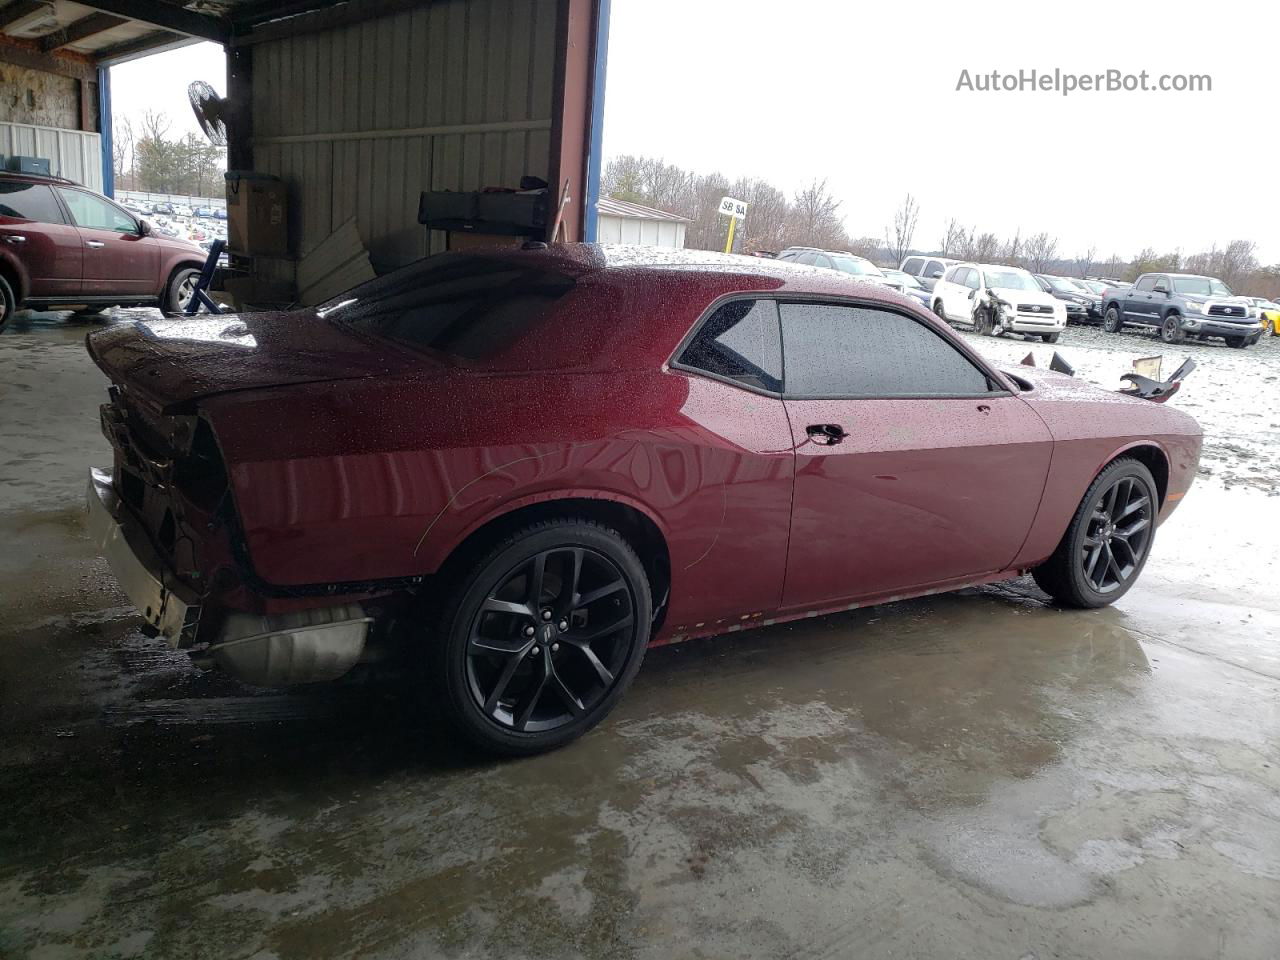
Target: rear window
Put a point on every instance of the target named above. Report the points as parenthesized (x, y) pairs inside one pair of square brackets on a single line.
[(29, 201), (467, 307)]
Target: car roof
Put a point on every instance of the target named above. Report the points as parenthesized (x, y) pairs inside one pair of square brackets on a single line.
[(36, 178)]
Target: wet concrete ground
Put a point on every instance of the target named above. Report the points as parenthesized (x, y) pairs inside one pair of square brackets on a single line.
[(973, 775)]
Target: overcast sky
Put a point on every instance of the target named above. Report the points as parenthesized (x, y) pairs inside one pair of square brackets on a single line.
[(865, 96)]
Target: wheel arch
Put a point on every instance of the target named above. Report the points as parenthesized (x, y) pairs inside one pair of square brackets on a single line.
[(16, 278), (640, 528), (1152, 456)]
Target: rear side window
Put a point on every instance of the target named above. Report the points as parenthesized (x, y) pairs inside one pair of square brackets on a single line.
[(957, 275), (911, 265), (29, 201), (739, 342), (1146, 283), (835, 350), (467, 307)]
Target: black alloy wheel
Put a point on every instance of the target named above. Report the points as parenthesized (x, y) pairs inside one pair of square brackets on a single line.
[(1118, 535), (1108, 541), (1111, 322), (1171, 329), (543, 636)]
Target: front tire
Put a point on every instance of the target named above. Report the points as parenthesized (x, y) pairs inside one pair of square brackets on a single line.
[(1171, 329), (940, 312), (1108, 541), (181, 288), (982, 321), (1049, 337), (540, 638), (1237, 343), (1111, 322)]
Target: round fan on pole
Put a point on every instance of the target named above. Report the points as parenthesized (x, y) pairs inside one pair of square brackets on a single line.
[(211, 110)]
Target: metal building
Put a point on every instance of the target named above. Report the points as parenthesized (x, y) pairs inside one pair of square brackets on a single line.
[(358, 106), (621, 221)]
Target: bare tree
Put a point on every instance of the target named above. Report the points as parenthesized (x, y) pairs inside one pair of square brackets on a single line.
[(122, 152), (899, 235), (766, 214), (868, 247), (1041, 250), (1084, 261), (952, 238), (983, 248), (815, 218), (1013, 249)]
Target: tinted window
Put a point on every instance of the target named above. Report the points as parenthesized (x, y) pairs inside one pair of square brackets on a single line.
[(1146, 283), (29, 201), (463, 306), (933, 266), (740, 341), (861, 351), (912, 265), (96, 213)]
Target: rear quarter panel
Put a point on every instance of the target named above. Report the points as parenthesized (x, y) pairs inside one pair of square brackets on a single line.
[(383, 479)]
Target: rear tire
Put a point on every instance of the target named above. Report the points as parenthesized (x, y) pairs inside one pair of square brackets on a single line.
[(8, 303), (1111, 321), (1108, 541), (524, 659)]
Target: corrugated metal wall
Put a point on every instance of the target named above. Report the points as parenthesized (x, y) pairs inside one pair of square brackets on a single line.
[(71, 153), (455, 95), (633, 230)]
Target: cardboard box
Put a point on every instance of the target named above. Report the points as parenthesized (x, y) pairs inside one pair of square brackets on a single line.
[(257, 214)]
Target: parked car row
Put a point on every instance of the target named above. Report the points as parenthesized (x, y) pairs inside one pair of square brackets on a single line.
[(164, 208)]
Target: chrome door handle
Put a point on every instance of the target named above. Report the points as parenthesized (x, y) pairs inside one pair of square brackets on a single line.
[(15, 238), (94, 243)]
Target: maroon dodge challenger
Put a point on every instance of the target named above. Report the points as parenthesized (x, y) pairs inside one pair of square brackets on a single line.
[(524, 467)]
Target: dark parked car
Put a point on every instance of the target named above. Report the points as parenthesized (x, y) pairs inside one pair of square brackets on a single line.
[(1181, 305), (1083, 305), (525, 467), (64, 245)]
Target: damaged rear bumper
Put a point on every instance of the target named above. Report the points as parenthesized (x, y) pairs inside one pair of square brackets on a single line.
[(304, 646), (169, 608)]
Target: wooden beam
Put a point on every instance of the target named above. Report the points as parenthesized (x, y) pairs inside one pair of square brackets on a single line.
[(27, 55), (18, 10), (168, 16), (152, 42), (87, 93), (81, 29)]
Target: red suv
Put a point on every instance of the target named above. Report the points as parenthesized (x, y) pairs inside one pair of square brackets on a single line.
[(64, 245)]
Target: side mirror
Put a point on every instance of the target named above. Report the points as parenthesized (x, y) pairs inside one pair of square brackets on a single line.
[(936, 275), (144, 228), (972, 294), (1162, 288)]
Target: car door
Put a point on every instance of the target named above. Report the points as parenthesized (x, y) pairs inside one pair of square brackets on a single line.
[(933, 269), (34, 231), (119, 260), (957, 297), (974, 286), (1137, 299), (914, 466)]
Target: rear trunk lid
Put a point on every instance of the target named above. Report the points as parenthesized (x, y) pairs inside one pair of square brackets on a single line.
[(173, 362)]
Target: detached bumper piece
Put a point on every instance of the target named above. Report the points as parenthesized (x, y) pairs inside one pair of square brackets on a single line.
[(169, 609)]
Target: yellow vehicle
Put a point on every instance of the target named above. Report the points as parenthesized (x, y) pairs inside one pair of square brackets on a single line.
[(1269, 314)]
